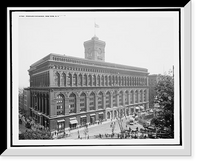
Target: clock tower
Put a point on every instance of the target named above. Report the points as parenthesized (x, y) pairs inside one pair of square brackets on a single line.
[(95, 49)]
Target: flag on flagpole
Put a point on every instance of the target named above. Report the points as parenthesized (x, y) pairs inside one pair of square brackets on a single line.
[(96, 26)]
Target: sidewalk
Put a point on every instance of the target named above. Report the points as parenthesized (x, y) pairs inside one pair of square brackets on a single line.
[(104, 128), (95, 125)]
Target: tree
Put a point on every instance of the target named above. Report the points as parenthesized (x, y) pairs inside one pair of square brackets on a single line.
[(165, 99)]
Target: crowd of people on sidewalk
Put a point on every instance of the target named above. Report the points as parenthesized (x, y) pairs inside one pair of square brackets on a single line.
[(127, 134)]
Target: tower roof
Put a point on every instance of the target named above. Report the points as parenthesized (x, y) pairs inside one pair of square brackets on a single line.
[(95, 38)]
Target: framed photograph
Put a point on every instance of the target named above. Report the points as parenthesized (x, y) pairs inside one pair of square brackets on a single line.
[(99, 80)]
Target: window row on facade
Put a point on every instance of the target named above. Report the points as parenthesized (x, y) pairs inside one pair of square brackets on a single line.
[(73, 79), (84, 103), (41, 79)]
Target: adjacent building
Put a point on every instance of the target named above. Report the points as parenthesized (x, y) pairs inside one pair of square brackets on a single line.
[(26, 102), (21, 101), (153, 81), (68, 92)]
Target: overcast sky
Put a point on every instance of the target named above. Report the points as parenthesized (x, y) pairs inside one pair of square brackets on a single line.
[(141, 39)]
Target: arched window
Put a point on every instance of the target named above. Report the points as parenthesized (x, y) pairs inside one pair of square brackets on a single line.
[(57, 79), (126, 97), (132, 97), (115, 114), (127, 81), (98, 80), (132, 81), (122, 83), (108, 99), (83, 102), (85, 80), (94, 80), (108, 115), (69, 79), (116, 80), (110, 81), (102, 80), (136, 96), (141, 96), (63, 79), (80, 80), (100, 100), (106, 80), (92, 101), (119, 81), (72, 103), (75, 79), (115, 99), (90, 80), (113, 80), (60, 104), (145, 95), (121, 98)]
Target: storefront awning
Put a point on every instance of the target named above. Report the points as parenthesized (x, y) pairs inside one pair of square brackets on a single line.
[(100, 113), (83, 116), (141, 107), (137, 108), (93, 114), (73, 121), (62, 120)]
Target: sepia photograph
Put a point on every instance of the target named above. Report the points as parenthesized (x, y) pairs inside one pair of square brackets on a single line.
[(96, 77)]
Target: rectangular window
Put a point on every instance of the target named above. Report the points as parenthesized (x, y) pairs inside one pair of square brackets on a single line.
[(71, 105), (82, 104), (71, 100), (60, 112), (82, 100)]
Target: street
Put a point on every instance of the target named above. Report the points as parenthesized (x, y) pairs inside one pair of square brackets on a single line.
[(104, 128)]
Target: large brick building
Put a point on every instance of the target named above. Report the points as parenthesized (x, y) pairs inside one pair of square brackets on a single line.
[(69, 92)]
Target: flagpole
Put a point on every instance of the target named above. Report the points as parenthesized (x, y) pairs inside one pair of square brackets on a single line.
[(94, 27)]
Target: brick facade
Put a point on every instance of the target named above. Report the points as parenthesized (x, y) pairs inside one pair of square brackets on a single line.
[(67, 92)]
